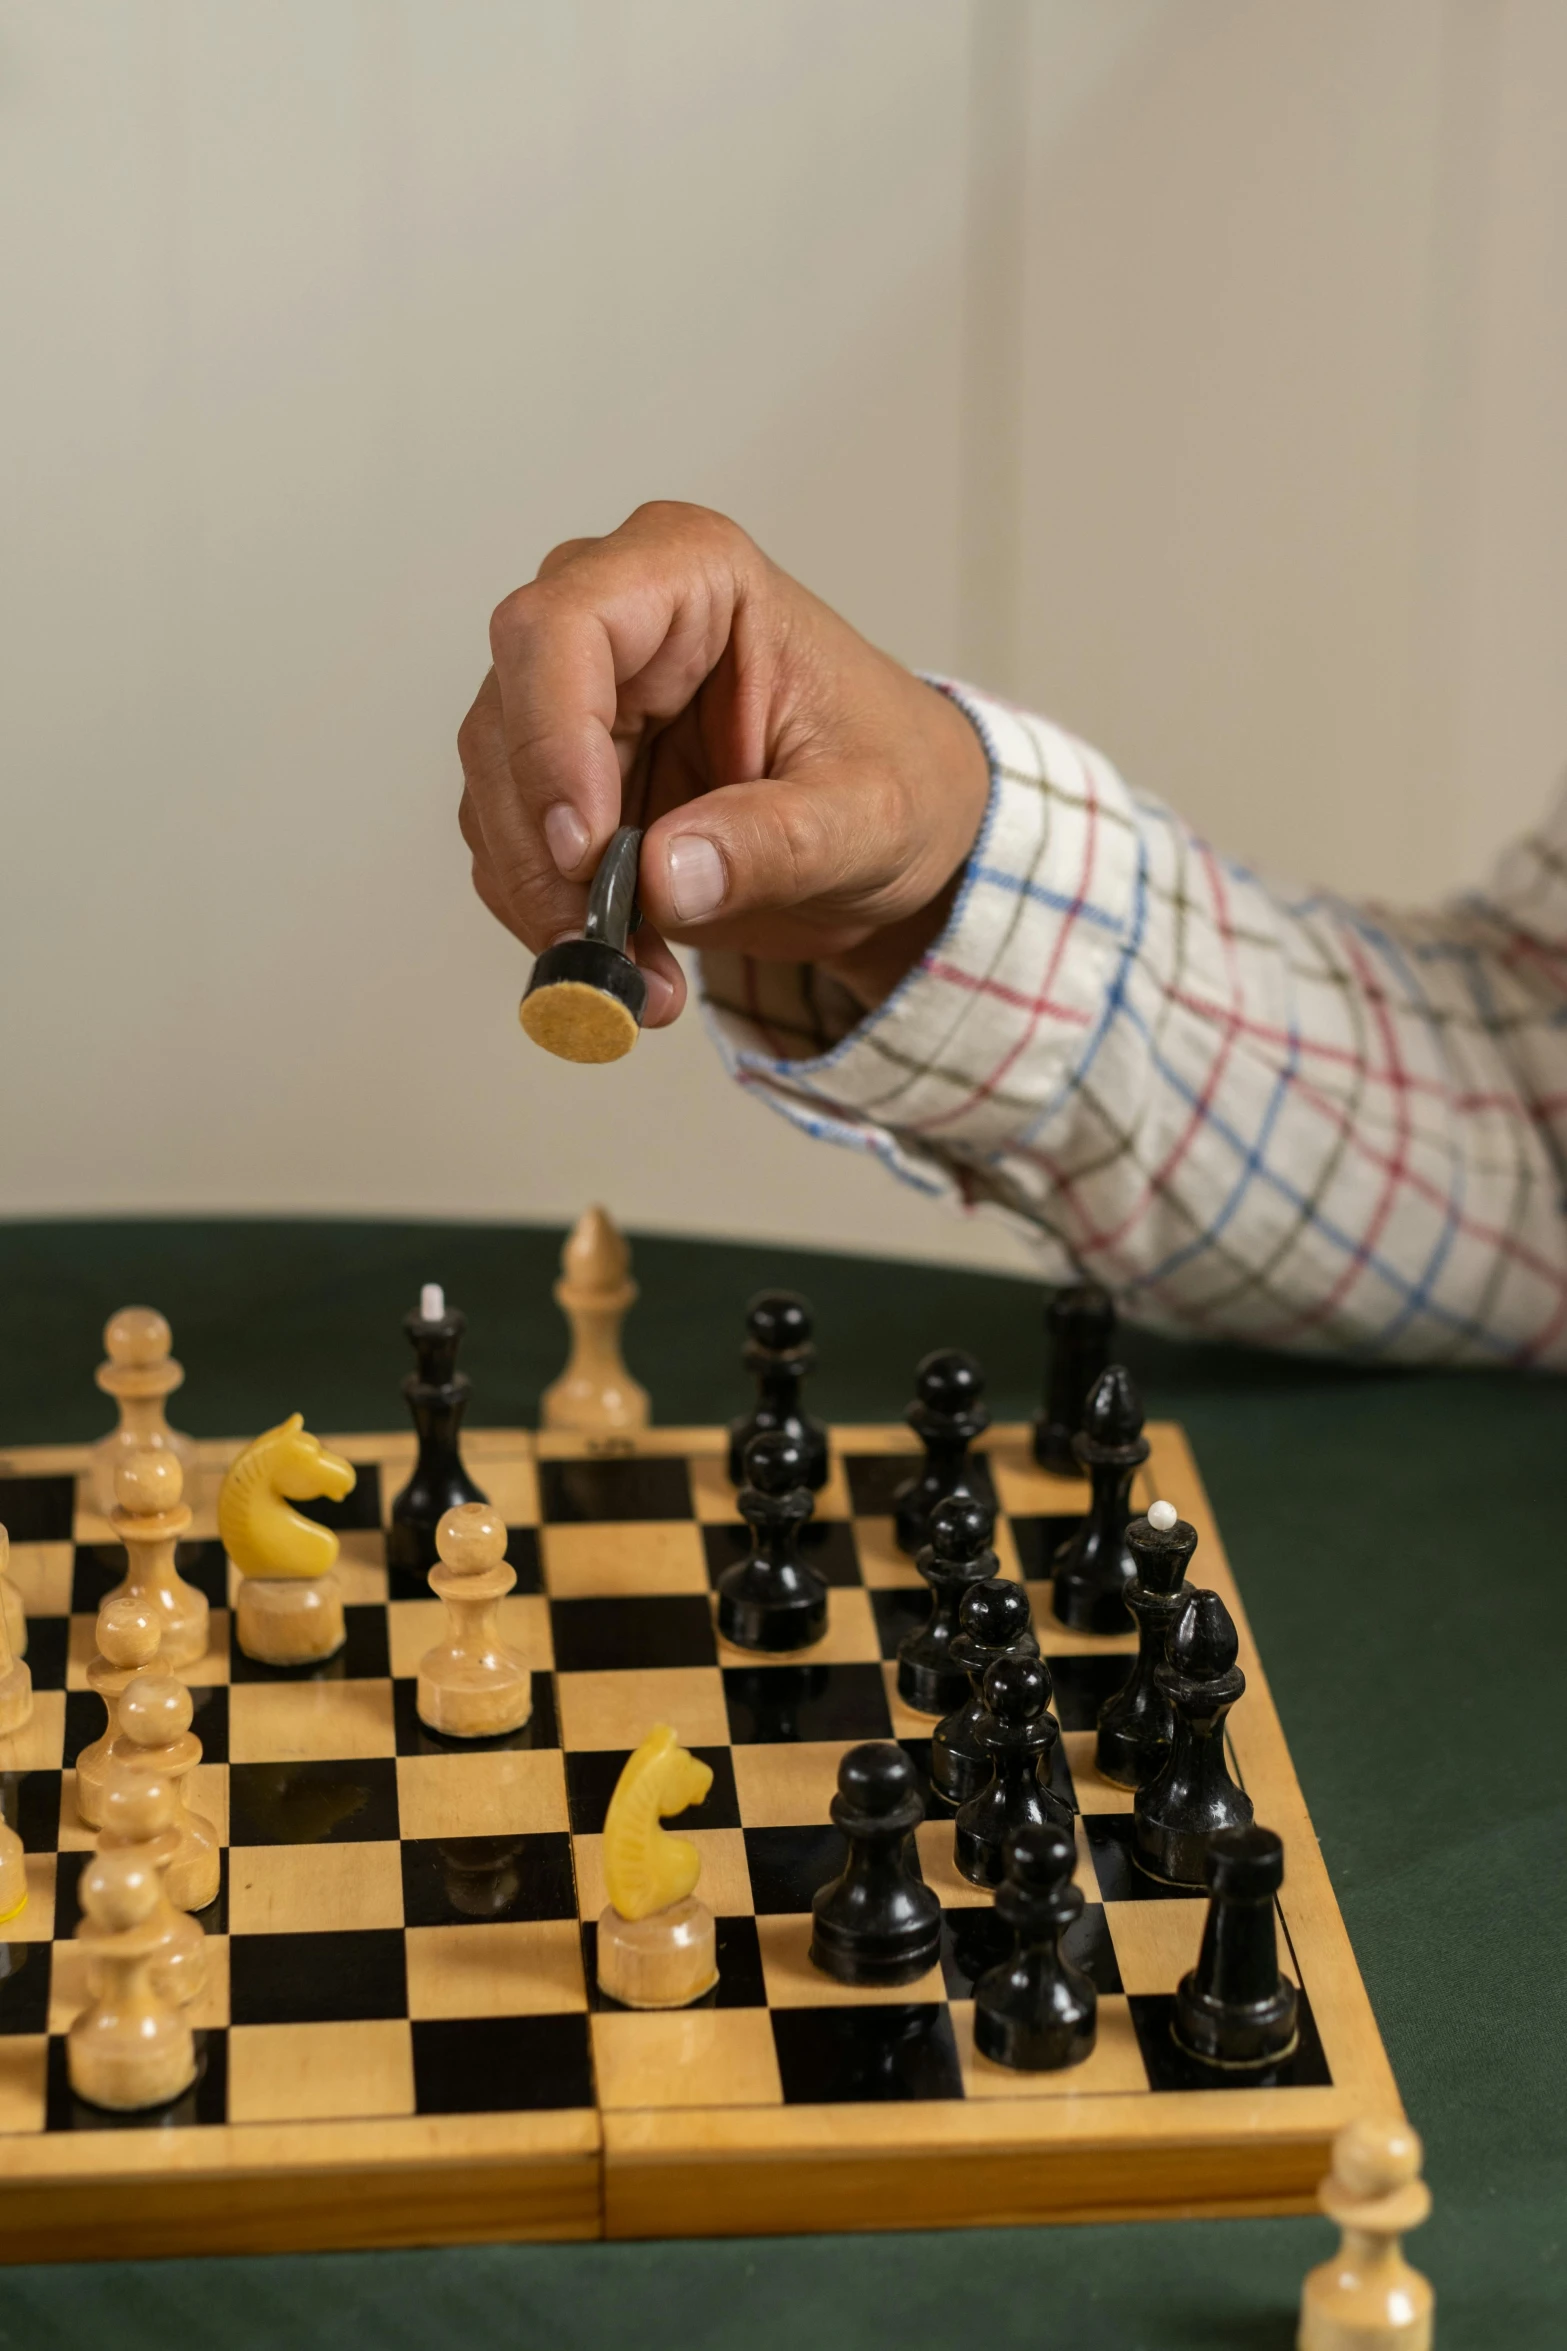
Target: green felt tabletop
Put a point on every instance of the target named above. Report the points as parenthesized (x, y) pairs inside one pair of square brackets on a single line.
[(1399, 1540)]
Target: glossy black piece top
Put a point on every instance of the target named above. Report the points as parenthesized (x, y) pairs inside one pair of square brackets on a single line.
[(778, 1353), (1079, 1334)]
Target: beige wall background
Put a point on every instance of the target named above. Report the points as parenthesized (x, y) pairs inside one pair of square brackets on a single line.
[(1193, 369)]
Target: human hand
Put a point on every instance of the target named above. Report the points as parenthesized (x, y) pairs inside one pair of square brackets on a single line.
[(803, 797)]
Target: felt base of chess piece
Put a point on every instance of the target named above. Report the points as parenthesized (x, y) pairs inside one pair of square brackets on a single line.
[(1367, 2297), (1094, 1568), (473, 1685), (957, 1557), (586, 998), (993, 1621), (779, 1354), (1234, 2009), (149, 1518), (13, 1873), (877, 1922), (130, 2048), (1079, 1333), (1192, 1796), (1020, 1735), (947, 1415), (773, 1601), (1037, 2012), (436, 1394), (665, 1960), (290, 1620), (1136, 1725)]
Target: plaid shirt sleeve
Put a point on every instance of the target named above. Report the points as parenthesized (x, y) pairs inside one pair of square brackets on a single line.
[(1272, 1117)]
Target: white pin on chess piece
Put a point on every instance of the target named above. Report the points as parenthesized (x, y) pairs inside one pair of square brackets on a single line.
[(1162, 1516), (1368, 2298), (432, 1303)]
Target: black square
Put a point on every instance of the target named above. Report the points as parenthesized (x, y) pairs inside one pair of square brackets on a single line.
[(364, 1656), (775, 1704), (68, 1870), (359, 1512), (32, 1806), (98, 1569), (315, 1803), (826, 1544), (1039, 1539), (852, 2056), (874, 1480), (24, 1986), (789, 1866), (206, 2101), (48, 1648), (205, 1565), (1169, 2067), (899, 1611), (38, 1510), (501, 2064), (1084, 1684), (1111, 1840), (462, 1881), (592, 1772), (642, 1630), (416, 1738), (577, 1493), (740, 1984), (975, 1939), (209, 1719), (342, 1977)]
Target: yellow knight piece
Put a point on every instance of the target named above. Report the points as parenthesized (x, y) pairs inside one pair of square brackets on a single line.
[(656, 1940), (290, 1605)]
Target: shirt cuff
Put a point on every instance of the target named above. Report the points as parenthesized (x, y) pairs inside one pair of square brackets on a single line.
[(977, 1046)]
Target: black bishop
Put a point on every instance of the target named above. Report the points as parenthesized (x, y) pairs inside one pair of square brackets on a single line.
[(1192, 1795), (1137, 1724)]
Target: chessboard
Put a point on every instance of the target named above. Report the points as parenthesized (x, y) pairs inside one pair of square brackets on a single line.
[(401, 2037)]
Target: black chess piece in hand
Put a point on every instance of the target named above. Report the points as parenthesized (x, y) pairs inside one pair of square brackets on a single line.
[(1138, 1723), (1079, 1333), (1192, 1795), (994, 1621), (779, 1353), (1021, 1736), (957, 1557), (772, 1600), (877, 1922), (1037, 2011), (437, 1397), (1094, 1567), (947, 1415), (1235, 2008)]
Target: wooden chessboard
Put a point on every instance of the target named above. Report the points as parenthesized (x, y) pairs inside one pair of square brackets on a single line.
[(402, 2041)]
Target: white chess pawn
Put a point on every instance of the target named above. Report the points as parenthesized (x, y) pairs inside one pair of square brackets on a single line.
[(1367, 2298), (141, 1817), (11, 1601), (139, 1372), (16, 1684), (149, 1518), (473, 1685), (130, 2047), (595, 1394), (154, 1736), (128, 1636)]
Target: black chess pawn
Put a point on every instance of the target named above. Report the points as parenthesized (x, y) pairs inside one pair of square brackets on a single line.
[(1137, 1724), (877, 1922), (1192, 1795), (948, 1413), (778, 1353), (481, 1874), (1020, 1734), (1235, 2009), (1037, 2011), (957, 1557), (994, 1621), (1094, 1567), (437, 1396), (1079, 1333), (772, 1600)]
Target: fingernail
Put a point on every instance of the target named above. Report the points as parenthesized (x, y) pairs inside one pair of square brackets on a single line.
[(696, 876), (660, 994), (567, 836)]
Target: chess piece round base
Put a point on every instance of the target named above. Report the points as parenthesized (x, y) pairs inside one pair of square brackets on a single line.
[(1092, 1606), (16, 1699), (13, 1873), (780, 1624), (958, 1774), (15, 1612), (467, 1698), (129, 2081), (894, 1958), (666, 1960), (979, 1856), (1239, 2041), (1121, 1759), (932, 1689), (1017, 2038), (289, 1620)]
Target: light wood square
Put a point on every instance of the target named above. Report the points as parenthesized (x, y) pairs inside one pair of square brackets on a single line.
[(851, 1637), (1059, 1640), (935, 1843), (793, 1979), (1156, 1943), (493, 1794), (685, 2057), (415, 1626), (40, 1743), (1115, 2067), (207, 1796), (396, 1457), (314, 1889), (610, 1560), (512, 1486), (1024, 1490), (296, 1722), (499, 1968), (24, 2064), (712, 1496), (788, 1786), (43, 1574), (725, 1883), (1094, 1792), (320, 2072), (34, 1922), (361, 1568), (883, 1566), (619, 1709), (70, 1990)]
